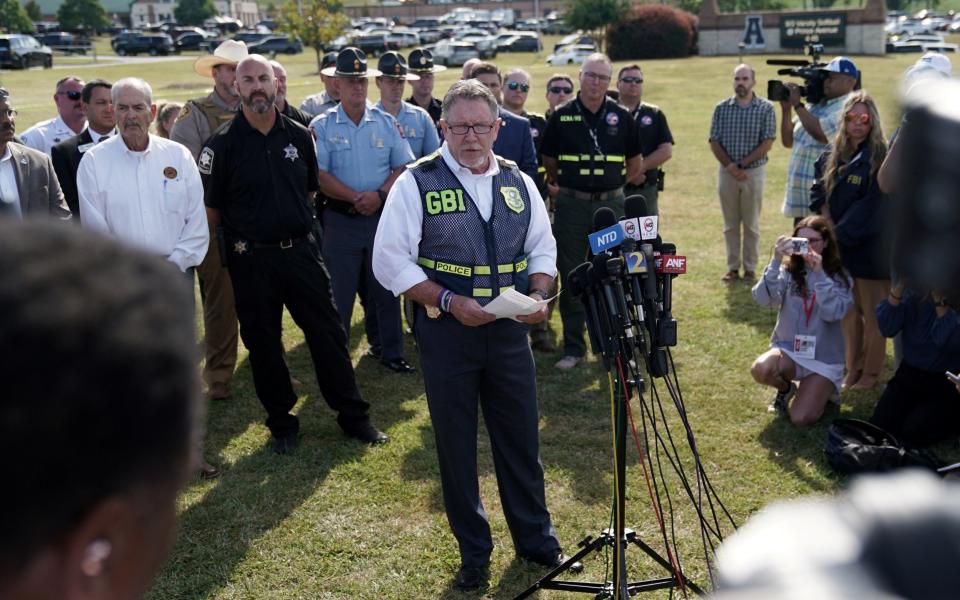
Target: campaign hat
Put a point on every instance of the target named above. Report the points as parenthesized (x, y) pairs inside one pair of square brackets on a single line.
[(351, 62), (392, 64), (421, 61)]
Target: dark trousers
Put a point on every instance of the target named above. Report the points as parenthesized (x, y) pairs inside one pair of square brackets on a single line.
[(919, 407), (264, 281), (489, 367), (571, 226), (348, 251)]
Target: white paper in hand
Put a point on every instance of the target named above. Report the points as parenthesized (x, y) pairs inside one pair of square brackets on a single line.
[(511, 303)]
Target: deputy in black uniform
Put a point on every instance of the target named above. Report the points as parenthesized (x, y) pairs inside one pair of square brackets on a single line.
[(259, 175), (590, 149), (656, 141)]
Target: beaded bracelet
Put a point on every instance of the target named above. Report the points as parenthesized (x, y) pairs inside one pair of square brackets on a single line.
[(444, 301)]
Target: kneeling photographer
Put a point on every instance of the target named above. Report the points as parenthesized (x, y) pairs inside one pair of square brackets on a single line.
[(826, 88), (806, 280)]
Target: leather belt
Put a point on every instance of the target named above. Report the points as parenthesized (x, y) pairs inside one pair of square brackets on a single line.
[(592, 196), (284, 244), (341, 207)]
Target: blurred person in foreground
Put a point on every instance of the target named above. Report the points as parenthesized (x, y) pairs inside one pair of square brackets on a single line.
[(110, 437), (920, 405), (813, 294), (847, 194)]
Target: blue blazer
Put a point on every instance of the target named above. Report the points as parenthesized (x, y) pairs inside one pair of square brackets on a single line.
[(515, 142)]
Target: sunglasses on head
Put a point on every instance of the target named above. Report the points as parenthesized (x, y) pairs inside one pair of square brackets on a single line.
[(556, 89), (863, 119), (632, 79), (72, 95), (514, 85)]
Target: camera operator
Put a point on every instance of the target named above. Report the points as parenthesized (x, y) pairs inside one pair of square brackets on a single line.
[(810, 133)]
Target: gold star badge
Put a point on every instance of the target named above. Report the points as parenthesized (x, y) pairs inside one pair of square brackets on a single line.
[(240, 246)]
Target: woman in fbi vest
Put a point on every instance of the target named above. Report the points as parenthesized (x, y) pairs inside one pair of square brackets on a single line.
[(847, 194)]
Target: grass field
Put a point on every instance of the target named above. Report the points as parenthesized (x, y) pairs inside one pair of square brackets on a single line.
[(339, 520)]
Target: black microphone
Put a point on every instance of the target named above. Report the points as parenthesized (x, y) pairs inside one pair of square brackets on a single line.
[(635, 207), (578, 283), (603, 217), (667, 325)]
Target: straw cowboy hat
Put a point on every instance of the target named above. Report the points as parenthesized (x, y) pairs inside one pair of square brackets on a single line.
[(230, 52)]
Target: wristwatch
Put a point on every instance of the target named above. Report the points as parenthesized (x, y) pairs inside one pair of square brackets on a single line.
[(383, 195), (739, 166), (543, 295)]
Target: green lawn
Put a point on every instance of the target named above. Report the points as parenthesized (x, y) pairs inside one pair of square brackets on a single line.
[(340, 520)]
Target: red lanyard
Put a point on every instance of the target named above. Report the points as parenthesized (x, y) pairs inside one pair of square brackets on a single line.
[(808, 310)]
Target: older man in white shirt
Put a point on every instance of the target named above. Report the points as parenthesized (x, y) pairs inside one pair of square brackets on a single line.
[(143, 189)]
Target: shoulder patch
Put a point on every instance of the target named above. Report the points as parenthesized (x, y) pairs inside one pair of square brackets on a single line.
[(205, 161), (183, 112)]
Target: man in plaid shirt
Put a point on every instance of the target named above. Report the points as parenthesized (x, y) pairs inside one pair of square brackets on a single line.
[(812, 131), (741, 134)]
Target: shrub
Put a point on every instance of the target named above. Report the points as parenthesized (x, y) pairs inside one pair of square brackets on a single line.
[(653, 31)]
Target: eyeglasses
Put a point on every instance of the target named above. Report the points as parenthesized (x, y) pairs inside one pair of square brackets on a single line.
[(477, 129), (596, 76), (632, 79), (514, 85), (11, 113), (863, 119), (71, 94), (559, 90)]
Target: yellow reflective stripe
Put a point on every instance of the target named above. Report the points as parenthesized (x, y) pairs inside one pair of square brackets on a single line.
[(481, 270), (482, 292), (623, 171), (445, 267), (584, 171), (586, 157), (426, 262), (541, 169), (569, 157), (503, 289), (522, 265), (615, 158), (505, 268), (598, 171)]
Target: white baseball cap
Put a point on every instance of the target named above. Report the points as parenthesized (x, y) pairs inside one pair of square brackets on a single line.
[(936, 61)]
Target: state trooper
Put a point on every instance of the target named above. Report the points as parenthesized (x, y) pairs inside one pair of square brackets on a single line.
[(259, 176), (70, 119), (360, 153), (199, 118), (317, 104), (416, 126), (590, 149), (438, 246), (421, 64)]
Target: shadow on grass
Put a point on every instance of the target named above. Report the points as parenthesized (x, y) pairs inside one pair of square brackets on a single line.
[(259, 491), (742, 308), (797, 450)]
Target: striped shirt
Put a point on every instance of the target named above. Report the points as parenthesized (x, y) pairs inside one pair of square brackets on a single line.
[(740, 129), (806, 151)]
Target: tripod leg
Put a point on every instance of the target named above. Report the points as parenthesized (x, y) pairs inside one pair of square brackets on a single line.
[(546, 582), (664, 563)]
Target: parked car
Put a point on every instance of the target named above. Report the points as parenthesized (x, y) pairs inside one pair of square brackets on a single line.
[(430, 36), (23, 51), (153, 44), (375, 45), (126, 34), (484, 41), (571, 55), (192, 41), (520, 43), (64, 42), (557, 26), (276, 45), (575, 39), (453, 54), (921, 42), (405, 37), (250, 37)]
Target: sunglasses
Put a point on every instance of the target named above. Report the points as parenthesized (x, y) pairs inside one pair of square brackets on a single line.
[(72, 95), (863, 119), (559, 90), (514, 85), (632, 79)]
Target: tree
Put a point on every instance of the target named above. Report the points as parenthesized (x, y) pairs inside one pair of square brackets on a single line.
[(319, 22), (194, 12), (596, 15), (13, 19), (33, 10), (82, 14)]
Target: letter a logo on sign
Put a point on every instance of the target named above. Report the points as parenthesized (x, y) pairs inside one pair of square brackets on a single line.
[(753, 32)]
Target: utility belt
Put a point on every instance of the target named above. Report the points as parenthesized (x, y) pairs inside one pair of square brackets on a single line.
[(592, 196), (238, 245), (653, 176), (341, 207)]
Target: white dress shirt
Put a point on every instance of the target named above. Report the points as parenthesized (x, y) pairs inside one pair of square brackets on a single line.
[(45, 134), (397, 243), (152, 199), (9, 193)]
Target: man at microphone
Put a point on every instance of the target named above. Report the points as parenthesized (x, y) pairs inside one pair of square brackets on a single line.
[(446, 220), (590, 148)]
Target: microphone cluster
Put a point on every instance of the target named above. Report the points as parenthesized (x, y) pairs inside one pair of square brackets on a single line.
[(627, 286)]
